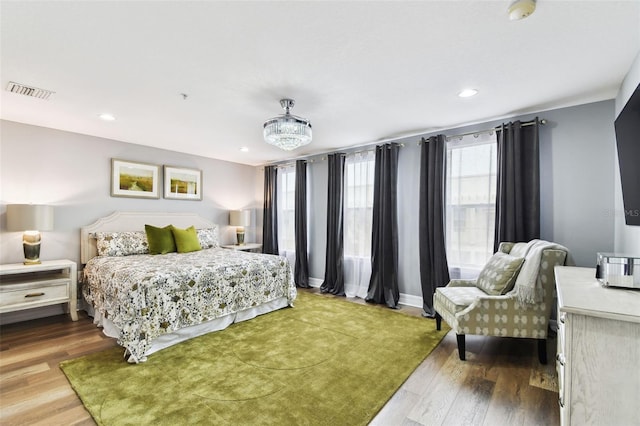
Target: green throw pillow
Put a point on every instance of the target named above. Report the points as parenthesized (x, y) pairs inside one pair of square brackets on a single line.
[(160, 239), (499, 274), (186, 239)]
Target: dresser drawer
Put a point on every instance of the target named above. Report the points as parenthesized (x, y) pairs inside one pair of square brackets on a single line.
[(27, 295)]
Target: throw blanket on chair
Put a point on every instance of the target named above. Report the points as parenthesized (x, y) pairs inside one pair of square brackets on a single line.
[(528, 289)]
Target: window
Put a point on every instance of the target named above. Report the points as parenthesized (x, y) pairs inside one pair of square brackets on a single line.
[(286, 210), (470, 204), (358, 219)]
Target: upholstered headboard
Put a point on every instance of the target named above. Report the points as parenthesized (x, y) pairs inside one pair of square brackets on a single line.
[(134, 221)]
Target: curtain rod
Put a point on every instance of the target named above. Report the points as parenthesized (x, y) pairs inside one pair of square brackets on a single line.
[(307, 158), (491, 130), (447, 138)]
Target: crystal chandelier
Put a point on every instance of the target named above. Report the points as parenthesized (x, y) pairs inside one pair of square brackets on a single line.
[(287, 131)]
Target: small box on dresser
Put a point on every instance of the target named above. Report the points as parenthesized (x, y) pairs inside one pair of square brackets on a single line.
[(32, 286)]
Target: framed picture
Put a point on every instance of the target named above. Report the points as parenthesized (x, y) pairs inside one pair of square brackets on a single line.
[(182, 184), (136, 180)]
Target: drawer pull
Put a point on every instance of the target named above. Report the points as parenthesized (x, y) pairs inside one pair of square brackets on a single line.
[(562, 317), (560, 359), (34, 295)]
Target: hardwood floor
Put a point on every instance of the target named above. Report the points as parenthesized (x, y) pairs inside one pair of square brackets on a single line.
[(501, 383)]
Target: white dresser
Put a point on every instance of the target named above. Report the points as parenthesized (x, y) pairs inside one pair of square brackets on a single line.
[(598, 358)]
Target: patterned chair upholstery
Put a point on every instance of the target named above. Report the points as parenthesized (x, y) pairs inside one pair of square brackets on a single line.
[(469, 309)]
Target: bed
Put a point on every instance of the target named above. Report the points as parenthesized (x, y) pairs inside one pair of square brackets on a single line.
[(149, 302)]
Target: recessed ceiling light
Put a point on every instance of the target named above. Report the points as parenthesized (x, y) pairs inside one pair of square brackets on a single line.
[(520, 9), (107, 117), (244, 149), (466, 93)]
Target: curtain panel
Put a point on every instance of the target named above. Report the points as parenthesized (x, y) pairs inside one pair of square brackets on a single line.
[(286, 194), (434, 271), (301, 268), (358, 216), (518, 192), (334, 268), (270, 211), (383, 285)]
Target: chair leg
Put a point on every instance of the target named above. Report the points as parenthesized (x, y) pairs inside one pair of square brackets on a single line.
[(438, 321), (460, 338), (542, 351)]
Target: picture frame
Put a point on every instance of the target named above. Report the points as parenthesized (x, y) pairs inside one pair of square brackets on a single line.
[(134, 179), (182, 184)]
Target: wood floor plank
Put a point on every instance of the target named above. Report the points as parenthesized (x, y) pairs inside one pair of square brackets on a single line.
[(395, 410), (472, 400), (506, 406), (434, 406), (21, 373)]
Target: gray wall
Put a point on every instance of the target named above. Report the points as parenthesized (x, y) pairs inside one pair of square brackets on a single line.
[(627, 237), (72, 172), (577, 180)]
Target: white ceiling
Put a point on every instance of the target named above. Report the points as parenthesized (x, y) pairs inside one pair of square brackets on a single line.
[(360, 71)]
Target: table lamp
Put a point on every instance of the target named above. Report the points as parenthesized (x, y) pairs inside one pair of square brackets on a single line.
[(30, 219), (240, 219)]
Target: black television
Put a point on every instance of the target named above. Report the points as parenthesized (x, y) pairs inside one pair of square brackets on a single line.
[(627, 127)]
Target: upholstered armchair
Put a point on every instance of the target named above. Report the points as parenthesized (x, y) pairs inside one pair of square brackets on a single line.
[(510, 298)]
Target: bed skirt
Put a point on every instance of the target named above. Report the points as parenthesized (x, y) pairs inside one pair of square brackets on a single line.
[(170, 339)]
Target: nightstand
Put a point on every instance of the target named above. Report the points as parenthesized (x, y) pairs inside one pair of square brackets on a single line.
[(245, 247), (31, 286)]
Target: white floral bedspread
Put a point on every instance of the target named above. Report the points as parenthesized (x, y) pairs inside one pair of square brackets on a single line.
[(150, 295)]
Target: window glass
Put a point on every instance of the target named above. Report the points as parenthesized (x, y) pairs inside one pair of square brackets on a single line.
[(286, 209), (358, 203), (470, 203)]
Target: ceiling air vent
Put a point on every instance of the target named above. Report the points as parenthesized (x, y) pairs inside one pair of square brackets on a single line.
[(34, 92)]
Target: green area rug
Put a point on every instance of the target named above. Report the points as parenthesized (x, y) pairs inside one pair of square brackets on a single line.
[(325, 362)]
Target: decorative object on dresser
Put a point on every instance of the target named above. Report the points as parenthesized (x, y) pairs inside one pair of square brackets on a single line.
[(598, 350), (512, 296), (240, 219), (182, 184), (152, 301), (618, 270), (134, 179), (30, 219), (287, 131), (50, 282)]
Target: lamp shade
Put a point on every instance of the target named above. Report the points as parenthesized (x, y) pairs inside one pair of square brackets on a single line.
[(29, 217), (240, 217)]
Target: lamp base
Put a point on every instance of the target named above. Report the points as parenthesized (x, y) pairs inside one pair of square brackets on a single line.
[(240, 238), (31, 248)]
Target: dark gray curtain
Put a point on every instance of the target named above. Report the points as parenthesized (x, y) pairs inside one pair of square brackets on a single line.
[(301, 268), (333, 270), (434, 271), (270, 211), (383, 285), (518, 192)]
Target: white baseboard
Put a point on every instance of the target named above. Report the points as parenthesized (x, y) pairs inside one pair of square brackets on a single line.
[(405, 299), (315, 282)]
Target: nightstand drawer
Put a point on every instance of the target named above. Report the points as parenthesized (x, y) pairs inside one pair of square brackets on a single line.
[(30, 295)]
